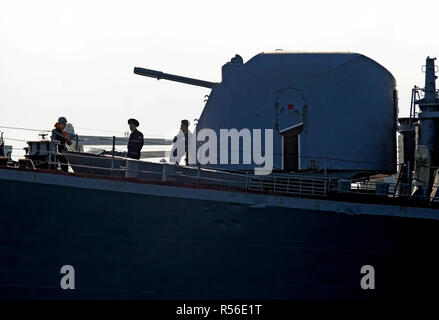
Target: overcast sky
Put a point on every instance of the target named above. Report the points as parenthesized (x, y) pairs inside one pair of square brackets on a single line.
[(76, 58)]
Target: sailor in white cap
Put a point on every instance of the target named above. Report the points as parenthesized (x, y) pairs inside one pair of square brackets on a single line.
[(180, 143)]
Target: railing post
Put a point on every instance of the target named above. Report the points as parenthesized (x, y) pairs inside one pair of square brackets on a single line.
[(52, 154), (112, 155), (77, 143)]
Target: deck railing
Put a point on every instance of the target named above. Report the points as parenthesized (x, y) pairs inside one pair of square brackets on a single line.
[(293, 184), (297, 185)]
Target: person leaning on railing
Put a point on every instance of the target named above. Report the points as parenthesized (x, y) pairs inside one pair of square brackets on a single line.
[(59, 134)]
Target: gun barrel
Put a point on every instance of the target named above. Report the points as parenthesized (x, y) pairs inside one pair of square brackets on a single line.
[(161, 75)]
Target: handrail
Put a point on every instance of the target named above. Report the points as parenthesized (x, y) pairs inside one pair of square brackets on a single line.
[(292, 184), (279, 183)]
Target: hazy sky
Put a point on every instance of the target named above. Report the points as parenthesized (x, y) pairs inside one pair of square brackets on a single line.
[(76, 58)]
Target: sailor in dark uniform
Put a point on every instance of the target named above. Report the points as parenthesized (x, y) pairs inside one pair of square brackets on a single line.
[(135, 142)]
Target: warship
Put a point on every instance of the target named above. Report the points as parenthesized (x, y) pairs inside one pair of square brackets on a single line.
[(352, 188)]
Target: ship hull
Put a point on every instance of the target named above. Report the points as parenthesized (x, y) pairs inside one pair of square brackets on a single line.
[(168, 242)]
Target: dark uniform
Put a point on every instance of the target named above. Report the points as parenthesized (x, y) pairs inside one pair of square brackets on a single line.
[(135, 144)]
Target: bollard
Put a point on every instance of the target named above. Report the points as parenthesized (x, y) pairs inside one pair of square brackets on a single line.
[(169, 171), (132, 170)]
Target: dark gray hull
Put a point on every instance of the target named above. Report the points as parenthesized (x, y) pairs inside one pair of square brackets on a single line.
[(138, 244)]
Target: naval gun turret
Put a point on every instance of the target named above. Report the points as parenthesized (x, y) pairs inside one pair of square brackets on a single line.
[(330, 113)]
